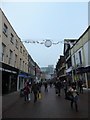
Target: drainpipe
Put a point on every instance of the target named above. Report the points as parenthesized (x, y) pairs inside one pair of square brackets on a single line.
[(84, 65)]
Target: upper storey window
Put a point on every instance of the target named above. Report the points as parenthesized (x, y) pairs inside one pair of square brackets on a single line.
[(5, 29), (16, 44), (3, 51), (21, 49), (12, 38)]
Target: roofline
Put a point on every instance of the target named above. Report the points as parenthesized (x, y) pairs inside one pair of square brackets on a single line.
[(84, 33), (70, 39), (13, 29), (9, 23), (81, 35)]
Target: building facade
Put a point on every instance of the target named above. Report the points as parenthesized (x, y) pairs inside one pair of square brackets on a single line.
[(47, 72), (22, 65), (68, 43), (8, 66), (81, 58), (31, 68), (60, 68), (14, 58)]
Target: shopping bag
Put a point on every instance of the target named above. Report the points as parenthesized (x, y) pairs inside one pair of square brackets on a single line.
[(69, 96), (56, 91), (29, 96), (40, 96), (37, 95)]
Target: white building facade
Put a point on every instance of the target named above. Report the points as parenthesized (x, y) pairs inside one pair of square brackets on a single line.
[(81, 58)]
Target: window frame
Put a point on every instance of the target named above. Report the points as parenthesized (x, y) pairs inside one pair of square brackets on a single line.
[(12, 38), (5, 30), (10, 56), (3, 51)]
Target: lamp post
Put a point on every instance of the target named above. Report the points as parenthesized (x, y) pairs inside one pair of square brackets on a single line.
[(35, 72)]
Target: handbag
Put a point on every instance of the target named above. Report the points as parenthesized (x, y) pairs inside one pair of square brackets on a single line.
[(40, 96), (56, 91), (69, 96), (29, 96)]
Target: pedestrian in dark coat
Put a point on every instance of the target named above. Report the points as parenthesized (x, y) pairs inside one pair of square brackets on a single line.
[(80, 83), (74, 99), (35, 91), (65, 86), (59, 85), (26, 92), (46, 86), (56, 87)]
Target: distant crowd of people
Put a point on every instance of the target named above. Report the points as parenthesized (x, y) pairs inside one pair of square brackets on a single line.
[(71, 90), (35, 87)]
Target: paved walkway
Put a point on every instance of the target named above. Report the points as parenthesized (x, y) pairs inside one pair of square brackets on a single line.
[(0, 107), (9, 100), (50, 106)]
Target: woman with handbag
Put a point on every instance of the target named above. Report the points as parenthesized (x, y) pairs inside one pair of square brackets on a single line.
[(74, 99)]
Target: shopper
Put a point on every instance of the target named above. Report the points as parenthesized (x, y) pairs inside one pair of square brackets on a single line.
[(73, 96)]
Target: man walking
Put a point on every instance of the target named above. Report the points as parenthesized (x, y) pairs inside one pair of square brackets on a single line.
[(35, 91)]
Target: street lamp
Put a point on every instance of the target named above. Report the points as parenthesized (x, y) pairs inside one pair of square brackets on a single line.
[(35, 70)]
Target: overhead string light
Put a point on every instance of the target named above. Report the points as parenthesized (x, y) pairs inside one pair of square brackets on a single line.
[(46, 42)]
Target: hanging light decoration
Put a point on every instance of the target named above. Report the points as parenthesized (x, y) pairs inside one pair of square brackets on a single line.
[(46, 42)]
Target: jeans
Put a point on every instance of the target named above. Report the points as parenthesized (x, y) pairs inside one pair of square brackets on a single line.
[(26, 97), (74, 100)]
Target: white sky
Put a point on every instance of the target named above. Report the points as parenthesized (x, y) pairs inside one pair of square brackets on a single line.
[(53, 20)]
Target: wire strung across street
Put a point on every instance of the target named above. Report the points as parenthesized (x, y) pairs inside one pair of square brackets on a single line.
[(46, 42)]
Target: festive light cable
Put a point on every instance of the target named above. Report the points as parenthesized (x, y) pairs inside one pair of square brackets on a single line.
[(46, 42)]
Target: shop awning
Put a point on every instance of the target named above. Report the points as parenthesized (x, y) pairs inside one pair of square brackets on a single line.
[(26, 76), (69, 70), (87, 69), (80, 70), (22, 75)]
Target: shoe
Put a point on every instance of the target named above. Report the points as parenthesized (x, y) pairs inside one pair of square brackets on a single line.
[(77, 110), (72, 106)]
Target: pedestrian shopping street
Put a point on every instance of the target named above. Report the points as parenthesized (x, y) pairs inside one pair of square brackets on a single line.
[(50, 106)]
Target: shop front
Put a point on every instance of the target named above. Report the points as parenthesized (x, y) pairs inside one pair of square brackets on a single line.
[(84, 75), (22, 78), (9, 78), (69, 76), (87, 71)]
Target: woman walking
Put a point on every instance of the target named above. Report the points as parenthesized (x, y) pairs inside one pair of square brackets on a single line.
[(26, 91), (73, 97)]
